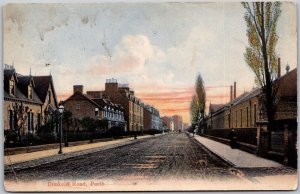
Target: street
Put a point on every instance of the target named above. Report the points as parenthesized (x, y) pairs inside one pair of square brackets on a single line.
[(163, 157), (174, 161)]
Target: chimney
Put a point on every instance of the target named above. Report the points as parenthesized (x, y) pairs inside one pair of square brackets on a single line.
[(78, 89), (111, 85), (234, 90), (231, 96), (279, 68)]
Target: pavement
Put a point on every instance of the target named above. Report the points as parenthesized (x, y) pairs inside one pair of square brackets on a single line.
[(45, 156), (236, 157)]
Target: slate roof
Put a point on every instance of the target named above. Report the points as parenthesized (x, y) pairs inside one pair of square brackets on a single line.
[(215, 107), (79, 96), (103, 102), (42, 84), (21, 88)]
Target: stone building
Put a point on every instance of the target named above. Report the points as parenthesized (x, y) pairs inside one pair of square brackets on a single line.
[(94, 106), (36, 98), (152, 118), (244, 111), (147, 117), (168, 123), (133, 106)]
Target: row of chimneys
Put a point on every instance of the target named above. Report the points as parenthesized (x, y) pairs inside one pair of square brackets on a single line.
[(233, 88), (98, 94)]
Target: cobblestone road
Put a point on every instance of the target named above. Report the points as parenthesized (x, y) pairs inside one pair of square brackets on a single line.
[(165, 157), (172, 155)]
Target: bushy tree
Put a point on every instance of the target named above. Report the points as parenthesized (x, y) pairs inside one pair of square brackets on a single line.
[(197, 107), (261, 19)]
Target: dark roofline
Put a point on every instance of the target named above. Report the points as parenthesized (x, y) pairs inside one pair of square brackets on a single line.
[(53, 89), (85, 96)]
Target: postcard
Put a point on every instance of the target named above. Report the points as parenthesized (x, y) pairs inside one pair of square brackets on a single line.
[(165, 96)]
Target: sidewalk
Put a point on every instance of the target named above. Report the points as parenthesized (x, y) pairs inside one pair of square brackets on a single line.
[(236, 157), (46, 156)]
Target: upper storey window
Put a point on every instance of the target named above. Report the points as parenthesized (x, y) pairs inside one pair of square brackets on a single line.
[(30, 91), (49, 97), (11, 87)]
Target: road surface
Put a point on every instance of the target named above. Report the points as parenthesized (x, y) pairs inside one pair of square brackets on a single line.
[(164, 157)]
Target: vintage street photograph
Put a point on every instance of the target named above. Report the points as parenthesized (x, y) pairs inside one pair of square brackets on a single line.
[(150, 96)]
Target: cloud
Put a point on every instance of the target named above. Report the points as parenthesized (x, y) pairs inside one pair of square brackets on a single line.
[(130, 55)]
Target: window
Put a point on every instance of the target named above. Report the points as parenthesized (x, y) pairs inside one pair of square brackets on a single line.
[(241, 117), (32, 121), (49, 97), (30, 117), (11, 120), (39, 119), (247, 117), (236, 115), (254, 112), (11, 87), (228, 120), (30, 91), (77, 106)]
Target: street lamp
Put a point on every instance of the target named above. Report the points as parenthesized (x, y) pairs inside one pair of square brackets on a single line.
[(97, 112), (61, 110)]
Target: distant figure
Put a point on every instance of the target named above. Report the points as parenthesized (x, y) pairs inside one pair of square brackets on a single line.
[(233, 139)]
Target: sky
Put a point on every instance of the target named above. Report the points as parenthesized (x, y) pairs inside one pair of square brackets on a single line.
[(156, 48)]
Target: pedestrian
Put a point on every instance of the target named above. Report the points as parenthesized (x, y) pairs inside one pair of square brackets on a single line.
[(233, 139)]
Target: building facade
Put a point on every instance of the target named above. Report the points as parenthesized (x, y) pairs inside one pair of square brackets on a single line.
[(152, 118), (92, 105), (133, 106), (29, 102), (168, 123), (177, 120)]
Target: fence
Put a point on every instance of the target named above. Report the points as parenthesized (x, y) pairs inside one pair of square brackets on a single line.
[(245, 135), (12, 139)]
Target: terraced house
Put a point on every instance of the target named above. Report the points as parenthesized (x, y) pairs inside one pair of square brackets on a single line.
[(94, 106), (29, 102), (133, 106), (152, 118)]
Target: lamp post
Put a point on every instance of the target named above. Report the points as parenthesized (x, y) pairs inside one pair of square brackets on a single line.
[(61, 110)]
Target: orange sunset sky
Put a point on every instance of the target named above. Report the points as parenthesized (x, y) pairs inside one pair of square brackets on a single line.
[(156, 48)]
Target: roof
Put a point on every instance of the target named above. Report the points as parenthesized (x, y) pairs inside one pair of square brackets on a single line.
[(21, 88), (104, 102), (247, 96), (8, 73), (215, 107), (42, 84), (288, 84), (80, 96)]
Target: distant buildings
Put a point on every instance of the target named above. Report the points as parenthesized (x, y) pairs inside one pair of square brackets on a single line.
[(117, 103), (152, 118), (178, 125), (168, 123), (29, 102), (174, 123)]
